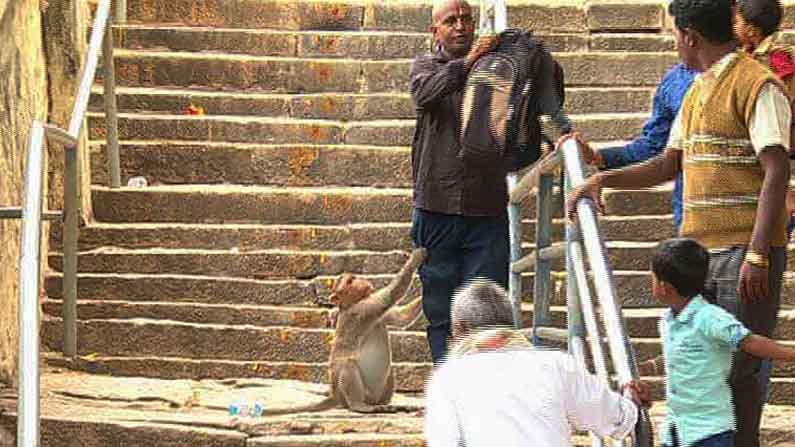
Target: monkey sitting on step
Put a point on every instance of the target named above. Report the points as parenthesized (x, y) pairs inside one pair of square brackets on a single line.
[(360, 364)]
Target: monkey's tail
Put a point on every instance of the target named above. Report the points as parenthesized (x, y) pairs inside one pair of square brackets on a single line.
[(325, 404)]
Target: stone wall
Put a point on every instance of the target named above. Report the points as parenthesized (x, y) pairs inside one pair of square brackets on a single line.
[(65, 44), (23, 90)]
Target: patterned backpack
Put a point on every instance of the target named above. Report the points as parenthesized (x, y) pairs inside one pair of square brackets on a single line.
[(506, 91)]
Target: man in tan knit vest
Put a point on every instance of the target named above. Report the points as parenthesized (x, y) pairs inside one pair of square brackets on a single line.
[(730, 141)]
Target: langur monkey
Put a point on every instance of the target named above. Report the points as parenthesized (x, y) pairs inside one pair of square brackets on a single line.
[(360, 364)]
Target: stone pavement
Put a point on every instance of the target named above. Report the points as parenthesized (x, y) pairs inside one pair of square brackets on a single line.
[(102, 410)]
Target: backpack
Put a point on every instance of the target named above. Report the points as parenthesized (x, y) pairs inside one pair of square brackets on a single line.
[(505, 92)]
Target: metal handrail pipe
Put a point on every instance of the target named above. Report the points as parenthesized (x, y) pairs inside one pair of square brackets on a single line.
[(515, 240), (89, 68), (587, 308), (524, 264), (60, 136), (554, 252), (28, 406), (531, 178), (602, 274), (16, 213)]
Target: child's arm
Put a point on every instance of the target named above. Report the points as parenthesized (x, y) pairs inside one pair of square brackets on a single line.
[(766, 348)]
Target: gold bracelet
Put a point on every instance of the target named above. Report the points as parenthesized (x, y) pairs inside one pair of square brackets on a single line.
[(756, 259)]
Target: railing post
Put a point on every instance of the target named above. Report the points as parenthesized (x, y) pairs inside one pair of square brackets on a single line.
[(71, 229), (30, 267), (515, 236), (541, 286), (111, 110)]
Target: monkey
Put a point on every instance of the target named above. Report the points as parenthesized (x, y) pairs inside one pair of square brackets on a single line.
[(360, 363)]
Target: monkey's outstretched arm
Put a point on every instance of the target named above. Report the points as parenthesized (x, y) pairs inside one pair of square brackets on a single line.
[(404, 316), (380, 301)]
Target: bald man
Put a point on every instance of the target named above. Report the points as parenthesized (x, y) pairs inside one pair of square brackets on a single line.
[(459, 209)]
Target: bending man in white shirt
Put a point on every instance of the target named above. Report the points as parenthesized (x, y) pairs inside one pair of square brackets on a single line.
[(495, 389)]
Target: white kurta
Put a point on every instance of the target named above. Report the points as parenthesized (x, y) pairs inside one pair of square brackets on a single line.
[(520, 398)]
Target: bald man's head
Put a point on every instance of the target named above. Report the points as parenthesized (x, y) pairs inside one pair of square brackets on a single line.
[(453, 26)]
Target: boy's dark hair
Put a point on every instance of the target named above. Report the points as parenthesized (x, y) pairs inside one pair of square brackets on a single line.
[(763, 14), (682, 263), (711, 18)]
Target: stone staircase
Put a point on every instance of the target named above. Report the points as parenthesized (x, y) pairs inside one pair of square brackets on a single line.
[(299, 171)]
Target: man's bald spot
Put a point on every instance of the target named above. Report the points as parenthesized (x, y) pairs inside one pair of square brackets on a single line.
[(442, 8)]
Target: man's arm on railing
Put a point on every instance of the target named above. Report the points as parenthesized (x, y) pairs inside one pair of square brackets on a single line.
[(658, 170)]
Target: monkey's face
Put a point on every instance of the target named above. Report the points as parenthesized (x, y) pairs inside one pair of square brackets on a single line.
[(350, 290)]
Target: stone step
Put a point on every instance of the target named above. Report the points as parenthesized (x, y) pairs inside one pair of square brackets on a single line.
[(409, 377), (270, 130), (398, 15), (87, 431), (372, 237), (308, 205), (155, 338), (266, 42), (143, 337), (339, 106), (633, 289), (639, 322), (270, 263), (298, 75), (173, 162), (192, 203), (257, 204), (353, 44), (411, 16), (260, 316), (258, 264)]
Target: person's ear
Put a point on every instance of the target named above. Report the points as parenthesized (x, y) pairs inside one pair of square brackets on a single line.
[(692, 38)]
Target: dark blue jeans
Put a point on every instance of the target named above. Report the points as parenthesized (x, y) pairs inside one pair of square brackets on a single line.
[(725, 439), (460, 248)]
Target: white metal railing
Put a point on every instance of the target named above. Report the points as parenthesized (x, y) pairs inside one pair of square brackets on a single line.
[(582, 321), (31, 213), (582, 240)]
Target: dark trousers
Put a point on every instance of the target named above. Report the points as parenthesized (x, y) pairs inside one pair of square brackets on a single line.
[(747, 379), (725, 439), (460, 248)]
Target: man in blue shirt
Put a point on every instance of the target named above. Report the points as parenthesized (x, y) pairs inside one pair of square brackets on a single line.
[(651, 142)]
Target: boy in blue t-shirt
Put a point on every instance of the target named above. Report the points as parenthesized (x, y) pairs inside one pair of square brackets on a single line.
[(698, 341)]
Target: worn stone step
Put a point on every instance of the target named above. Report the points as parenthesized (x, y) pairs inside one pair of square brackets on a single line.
[(201, 203), (89, 431), (304, 75), (409, 377), (373, 237), (244, 237), (185, 162), (266, 42), (354, 44), (261, 316), (203, 341), (639, 322), (633, 289), (340, 106), (335, 106), (346, 15), (288, 205), (576, 16), (271, 264), (270, 130), (201, 289)]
